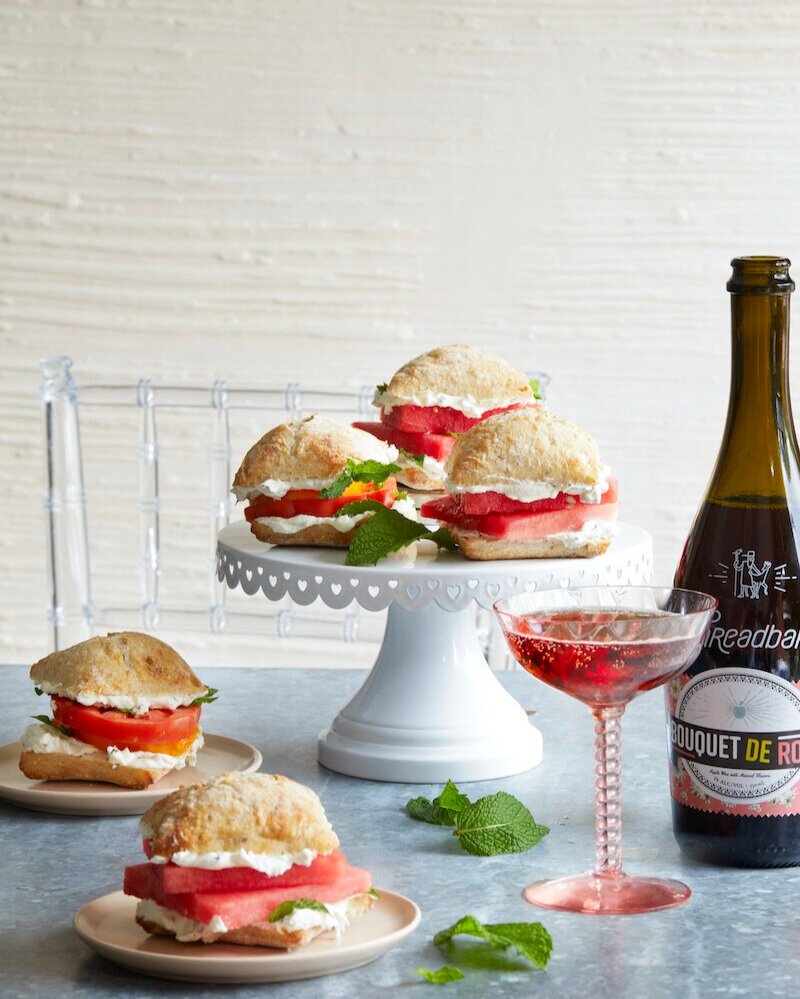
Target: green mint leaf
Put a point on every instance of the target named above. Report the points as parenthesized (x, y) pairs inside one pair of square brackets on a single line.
[(359, 506), (383, 387), (498, 823), (287, 908), (442, 975), (374, 892), (418, 459), (443, 810), (444, 539), (452, 433), (530, 940), (385, 532), (401, 494), (38, 691), (47, 720), (376, 472), (209, 697), (536, 388)]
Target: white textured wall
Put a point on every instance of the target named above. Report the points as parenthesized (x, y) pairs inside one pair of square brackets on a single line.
[(315, 190)]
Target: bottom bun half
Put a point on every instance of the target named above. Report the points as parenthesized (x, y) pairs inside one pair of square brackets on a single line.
[(267, 934), (62, 766), (482, 547)]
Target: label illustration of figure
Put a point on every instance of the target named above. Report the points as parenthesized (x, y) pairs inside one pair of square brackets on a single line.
[(750, 581)]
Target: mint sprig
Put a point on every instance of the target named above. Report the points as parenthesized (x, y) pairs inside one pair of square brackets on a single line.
[(373, 891), (443, 810), (442, 975), (385, 532), (498, 823), (530, 940), (288, 907), (376, 472), (536, 388), (383, 387), (418, 459), (209, 697), (47, 720)]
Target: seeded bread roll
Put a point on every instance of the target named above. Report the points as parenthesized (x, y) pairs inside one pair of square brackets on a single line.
[(314, 448), (524, 445), (482, 547), (63, 766), (459, 369), (321, 535), (262, 813), (268, 934), (125, 663)]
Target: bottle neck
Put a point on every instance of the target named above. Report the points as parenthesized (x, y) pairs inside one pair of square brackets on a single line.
[(759, 449)]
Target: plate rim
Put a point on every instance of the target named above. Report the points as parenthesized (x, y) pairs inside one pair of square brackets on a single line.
[(137, 799), (276, 961)]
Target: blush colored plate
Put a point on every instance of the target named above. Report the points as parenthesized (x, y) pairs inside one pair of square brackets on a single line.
[(108, 926), (80, 797)]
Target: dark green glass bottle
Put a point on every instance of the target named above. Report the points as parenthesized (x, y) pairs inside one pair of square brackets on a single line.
[(734, 716)]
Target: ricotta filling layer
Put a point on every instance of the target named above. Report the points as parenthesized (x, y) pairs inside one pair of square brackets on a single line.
[(188, 930), (272, 864), (278, 488), (291, 525), (530, 491), (466, 404), (138, 704), (41, 738), (430, 467)]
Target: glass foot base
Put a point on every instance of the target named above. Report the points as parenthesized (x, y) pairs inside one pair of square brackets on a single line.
[(607, 895)]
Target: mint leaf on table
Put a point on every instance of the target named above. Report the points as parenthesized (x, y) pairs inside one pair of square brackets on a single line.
[(530, 940), (209, 697), (288, 907), (498, 823), (442, 811), (442, 975), (47, 720), (536, 388), (376, 472), (418, 459)]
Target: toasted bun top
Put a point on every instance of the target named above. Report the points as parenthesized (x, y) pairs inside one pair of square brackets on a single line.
[(314, 448), (460, 370), (124, 663), (262, 813), (525, 445)]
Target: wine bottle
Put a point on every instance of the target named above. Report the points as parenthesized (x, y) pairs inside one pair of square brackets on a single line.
[(734, 716)]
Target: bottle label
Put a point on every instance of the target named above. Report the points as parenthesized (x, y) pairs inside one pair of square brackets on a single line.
[(734, 738)]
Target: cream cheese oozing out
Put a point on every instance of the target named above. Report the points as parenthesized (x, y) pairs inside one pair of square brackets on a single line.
[(185, 930), (272, 864), (42, 738), (307, 919), (466, 404), (430, 467), (156, 761), (136, 704), (277, 488), (592, 530), (291, 525), (530, 491)]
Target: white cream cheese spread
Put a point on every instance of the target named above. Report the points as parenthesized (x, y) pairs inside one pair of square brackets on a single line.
[(267, 863), (592, 530), (185, 930), (529, 491), (466, 404), (307, 919), (430, 467), (290, 525), (42, 738), (156, 761), (137, 704)]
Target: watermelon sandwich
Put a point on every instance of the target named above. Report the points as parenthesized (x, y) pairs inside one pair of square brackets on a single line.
[(247, 859), (437, 396), (527, 484)]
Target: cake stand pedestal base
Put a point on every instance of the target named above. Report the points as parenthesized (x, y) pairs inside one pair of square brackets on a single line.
[(431, 709)]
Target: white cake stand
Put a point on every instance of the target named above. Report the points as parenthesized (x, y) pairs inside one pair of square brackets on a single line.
[(431, 708)]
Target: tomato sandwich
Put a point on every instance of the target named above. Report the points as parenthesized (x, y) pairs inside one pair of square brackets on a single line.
[(299, 475), (527, 484), (435, 397), (125, 710), (245, 859)]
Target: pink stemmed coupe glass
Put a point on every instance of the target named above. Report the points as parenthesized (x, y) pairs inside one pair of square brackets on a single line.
[(605, 645)]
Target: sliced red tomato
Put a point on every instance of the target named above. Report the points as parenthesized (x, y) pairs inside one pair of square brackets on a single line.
[(437, 419), (171, 879), (309, 502), (473, 511), (436, 446), (242, 908), (103, 727)]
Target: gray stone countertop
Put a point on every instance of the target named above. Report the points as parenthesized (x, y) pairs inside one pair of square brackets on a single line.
[(739, 935)]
